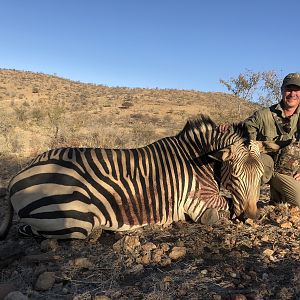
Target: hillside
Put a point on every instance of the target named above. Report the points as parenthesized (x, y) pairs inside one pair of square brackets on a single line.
[(230, 260), (39, 111)]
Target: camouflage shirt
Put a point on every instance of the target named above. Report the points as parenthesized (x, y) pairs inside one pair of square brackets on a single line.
[(263, 127)]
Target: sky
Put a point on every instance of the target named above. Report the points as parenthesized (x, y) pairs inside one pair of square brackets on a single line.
[(168, 44)]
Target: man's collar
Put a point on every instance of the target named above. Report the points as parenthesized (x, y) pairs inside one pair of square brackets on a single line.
[(278, 108)]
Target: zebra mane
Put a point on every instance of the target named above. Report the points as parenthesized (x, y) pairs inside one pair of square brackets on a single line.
[(205, 133), (203, 121)]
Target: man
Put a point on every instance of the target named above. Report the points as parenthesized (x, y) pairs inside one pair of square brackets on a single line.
[(279, 123)]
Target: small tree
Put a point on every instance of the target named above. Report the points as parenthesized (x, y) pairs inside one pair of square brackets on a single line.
[(271, 88), (263, 87), (55, 117), (244, 85)]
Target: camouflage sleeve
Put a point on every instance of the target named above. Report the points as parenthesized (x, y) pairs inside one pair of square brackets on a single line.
[(253, 124)]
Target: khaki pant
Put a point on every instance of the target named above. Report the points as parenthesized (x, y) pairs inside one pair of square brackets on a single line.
[(283, 188)]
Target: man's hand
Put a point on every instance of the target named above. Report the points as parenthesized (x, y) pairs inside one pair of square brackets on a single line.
[(297, 176)]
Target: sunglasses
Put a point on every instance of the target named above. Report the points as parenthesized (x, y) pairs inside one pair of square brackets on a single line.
[(286, 125)]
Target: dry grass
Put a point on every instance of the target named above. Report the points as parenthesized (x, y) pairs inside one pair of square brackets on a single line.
[(39, 111)]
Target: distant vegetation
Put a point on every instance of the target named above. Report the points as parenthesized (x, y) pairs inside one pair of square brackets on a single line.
[(39, 111), (263, 87)]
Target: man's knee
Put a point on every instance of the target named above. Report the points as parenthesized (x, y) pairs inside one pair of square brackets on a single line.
[(286, 188), (268, 163)]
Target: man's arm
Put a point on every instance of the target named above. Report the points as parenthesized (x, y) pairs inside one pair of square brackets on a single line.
[(253, 124)]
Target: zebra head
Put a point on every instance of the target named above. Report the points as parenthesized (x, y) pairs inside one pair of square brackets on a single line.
[(241, 174)]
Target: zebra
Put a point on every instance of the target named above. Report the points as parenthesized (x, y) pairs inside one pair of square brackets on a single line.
[(68, 193)]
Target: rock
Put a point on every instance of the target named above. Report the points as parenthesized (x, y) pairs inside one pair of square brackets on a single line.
[(131, 242), (49, 245), (177, 252), (204, 272), (45, 281), (5, 289), (251, 223), (265, 238), (15, 296), (146, 259), (268, 252), (157, 255), (101, 297), (149, 246), (127, 244), (117, 246), (165, 247), (286, 225)]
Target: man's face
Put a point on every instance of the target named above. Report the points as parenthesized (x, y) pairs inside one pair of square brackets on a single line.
[(291, 96)]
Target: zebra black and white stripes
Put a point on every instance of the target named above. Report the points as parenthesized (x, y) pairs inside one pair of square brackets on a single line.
[(68, 192)]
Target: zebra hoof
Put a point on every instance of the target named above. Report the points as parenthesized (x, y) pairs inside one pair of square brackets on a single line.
[(210, 216)]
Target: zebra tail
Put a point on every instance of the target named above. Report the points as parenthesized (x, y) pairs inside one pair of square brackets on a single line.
[(7, 213)]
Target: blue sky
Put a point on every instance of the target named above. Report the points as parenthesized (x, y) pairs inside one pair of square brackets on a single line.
[(180, 44)]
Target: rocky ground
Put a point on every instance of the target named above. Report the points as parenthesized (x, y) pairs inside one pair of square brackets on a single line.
[(229, 260)]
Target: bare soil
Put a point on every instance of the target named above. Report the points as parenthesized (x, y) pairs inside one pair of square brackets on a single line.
[(229, 260)]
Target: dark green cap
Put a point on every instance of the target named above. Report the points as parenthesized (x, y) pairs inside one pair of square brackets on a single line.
[(291, 79)]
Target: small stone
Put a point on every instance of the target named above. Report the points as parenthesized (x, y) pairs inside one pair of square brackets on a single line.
[(177, 252), (101, 297), (216, 297), (149, 246), (5, 289), (265, 238), (268, 252), (157, 255), (204, 272), (16, 295), (146, 259), (286, 225), (165, 247), (45, 281), (117, 246), (131, 242), (249, 222)]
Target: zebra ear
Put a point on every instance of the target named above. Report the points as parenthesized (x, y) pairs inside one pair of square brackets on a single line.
[(267, 146), (223, 154)]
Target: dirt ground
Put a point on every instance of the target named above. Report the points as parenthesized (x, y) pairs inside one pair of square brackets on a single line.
[(229, 260)]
